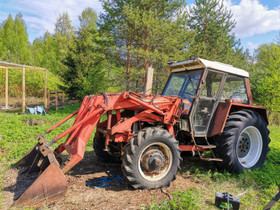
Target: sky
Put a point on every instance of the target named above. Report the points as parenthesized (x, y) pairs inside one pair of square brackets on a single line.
[(257, 21)]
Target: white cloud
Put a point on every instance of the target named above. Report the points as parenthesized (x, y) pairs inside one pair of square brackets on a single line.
[(252, 46), (40, 16), (254, 18)]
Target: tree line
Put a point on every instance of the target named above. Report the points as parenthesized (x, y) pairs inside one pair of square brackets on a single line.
[(111, 51)]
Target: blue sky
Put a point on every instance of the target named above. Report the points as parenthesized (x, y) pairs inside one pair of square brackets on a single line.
[(258, 21)]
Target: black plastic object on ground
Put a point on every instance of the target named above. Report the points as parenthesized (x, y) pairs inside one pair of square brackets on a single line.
[(273, 201), (227, 201)]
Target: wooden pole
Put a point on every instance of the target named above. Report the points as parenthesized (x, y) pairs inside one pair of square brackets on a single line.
[(62, 99), (56, 100), (45, 90), (6, 89), (49, 99), (149, 80), (23, 90)]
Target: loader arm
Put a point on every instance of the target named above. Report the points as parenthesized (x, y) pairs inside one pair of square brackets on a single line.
[(93, 107), (160, 109)]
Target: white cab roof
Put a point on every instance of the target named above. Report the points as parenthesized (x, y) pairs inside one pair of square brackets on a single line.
[(202, 63)]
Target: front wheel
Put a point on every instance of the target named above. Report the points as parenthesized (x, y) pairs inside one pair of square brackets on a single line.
[(244, 142), (151, 159)]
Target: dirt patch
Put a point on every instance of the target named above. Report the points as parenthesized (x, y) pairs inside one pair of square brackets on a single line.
[(34, 122), (3, 152), (81, 196)]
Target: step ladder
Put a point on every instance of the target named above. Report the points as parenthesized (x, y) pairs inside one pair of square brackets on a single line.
[(206, 147)]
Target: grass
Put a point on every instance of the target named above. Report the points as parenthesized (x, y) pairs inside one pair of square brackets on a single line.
[(18, 135), (19, 131), (254, 188)]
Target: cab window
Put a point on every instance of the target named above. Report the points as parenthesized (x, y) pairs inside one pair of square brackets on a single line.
[(235, 89), (212, 84), (183, 84)]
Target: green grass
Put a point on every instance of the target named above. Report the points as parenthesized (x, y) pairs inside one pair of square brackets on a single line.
[(254, 188), (18, 135), (188, 200)]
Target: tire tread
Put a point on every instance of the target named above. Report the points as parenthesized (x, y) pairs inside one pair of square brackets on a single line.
[(131, 149), (226, 141)]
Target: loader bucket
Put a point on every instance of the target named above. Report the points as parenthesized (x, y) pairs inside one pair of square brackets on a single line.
[(51, 185), (30, 160), (48, 188)]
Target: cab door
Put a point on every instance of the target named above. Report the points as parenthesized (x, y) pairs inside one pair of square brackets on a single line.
[(206, 102)]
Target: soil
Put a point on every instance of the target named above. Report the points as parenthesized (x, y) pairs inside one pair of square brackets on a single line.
[(81, 196)]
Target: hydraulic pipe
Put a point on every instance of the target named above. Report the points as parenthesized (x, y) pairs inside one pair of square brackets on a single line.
[(157, 110), (94, 113), (62, 121)]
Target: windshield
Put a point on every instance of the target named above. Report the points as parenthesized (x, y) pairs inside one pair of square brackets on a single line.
[(183, 84)]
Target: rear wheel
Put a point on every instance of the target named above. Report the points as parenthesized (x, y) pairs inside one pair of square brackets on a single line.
[(244, 142), (151, 159), (112, 155)]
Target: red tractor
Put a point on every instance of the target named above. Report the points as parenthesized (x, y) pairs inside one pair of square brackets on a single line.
[(206, 107)]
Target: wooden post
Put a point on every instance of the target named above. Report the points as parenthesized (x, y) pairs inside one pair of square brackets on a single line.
[(6, 89), (23, 90), (56, 100), (45, 90), (62, 99), (149, 80), (49, 99)]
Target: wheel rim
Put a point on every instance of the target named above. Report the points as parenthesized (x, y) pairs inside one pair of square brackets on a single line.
[(249, 147), (155, 161)]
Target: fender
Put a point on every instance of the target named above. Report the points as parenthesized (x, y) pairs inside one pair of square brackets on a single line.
[(224, 109)]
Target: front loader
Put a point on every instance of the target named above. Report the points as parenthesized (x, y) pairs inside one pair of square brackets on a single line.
[(206, 107)]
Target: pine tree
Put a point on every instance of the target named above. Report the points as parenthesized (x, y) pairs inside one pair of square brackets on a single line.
[(23, 48), (85, 61), (145, 32), (8, 37), (45, 53), (14, 41), (2, 51), (63, 38), (265, 77), (212, 23)]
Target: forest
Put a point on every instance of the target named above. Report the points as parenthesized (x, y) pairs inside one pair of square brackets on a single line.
[(111, 51)]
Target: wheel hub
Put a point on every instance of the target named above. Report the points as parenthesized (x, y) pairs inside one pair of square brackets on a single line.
[(152, 161), (244, 145), (155, 161), (249, 147)]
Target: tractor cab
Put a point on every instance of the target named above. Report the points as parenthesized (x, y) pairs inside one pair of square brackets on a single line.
[(203, 85)]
